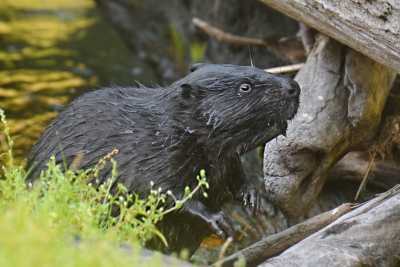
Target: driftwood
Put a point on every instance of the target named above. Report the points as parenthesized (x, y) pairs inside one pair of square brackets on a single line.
[(275, 244), (369, 27), (343, 95), (385, 209), (367, 236)]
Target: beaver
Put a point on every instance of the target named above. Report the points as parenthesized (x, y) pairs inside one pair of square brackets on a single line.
[(206, 121)]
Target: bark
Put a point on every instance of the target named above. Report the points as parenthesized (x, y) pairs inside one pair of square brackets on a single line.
[(342, 99), (367, 236), (370, 27)]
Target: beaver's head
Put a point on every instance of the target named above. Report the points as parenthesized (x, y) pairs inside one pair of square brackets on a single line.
[(239, 107)]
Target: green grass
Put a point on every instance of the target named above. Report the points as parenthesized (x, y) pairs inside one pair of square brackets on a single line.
[(62, 220)]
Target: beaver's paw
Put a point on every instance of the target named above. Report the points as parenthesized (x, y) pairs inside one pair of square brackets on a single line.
[(221, 225)]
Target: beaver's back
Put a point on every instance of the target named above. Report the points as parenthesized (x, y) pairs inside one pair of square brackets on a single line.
[(98, 122)]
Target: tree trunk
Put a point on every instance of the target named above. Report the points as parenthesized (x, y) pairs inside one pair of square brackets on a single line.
[(343, 95)]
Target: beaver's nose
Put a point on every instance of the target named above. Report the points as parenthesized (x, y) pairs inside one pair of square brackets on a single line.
[(290, 88)]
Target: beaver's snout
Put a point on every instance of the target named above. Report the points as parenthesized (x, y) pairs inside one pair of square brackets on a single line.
[(290, 88), (291, 91)]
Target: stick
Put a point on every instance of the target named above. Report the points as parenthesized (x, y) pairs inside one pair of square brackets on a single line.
[(285, 69), (290, 49), (222, 36), (365, 177)]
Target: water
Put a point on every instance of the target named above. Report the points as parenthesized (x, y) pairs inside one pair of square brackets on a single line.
[(50, 52)]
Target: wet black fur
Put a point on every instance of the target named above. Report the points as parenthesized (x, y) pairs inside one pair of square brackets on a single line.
[(166, 135)]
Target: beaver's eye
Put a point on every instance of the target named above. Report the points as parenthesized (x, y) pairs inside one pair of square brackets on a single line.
[(245, 87)]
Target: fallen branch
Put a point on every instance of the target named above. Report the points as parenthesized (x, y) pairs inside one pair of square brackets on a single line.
[(275, 244)]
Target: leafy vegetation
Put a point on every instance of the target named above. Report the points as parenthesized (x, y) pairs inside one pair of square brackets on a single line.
[(62, 220)]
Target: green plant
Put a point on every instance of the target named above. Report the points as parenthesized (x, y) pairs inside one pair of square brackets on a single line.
[(44, 221), (197, 51)]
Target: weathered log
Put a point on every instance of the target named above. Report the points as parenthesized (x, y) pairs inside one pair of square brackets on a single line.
[(343, 95), (275, 244), (367, 236), (370, 27)]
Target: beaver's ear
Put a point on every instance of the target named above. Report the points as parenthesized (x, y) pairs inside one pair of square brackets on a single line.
[(191, 91), (196, 66), (186, 90)]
